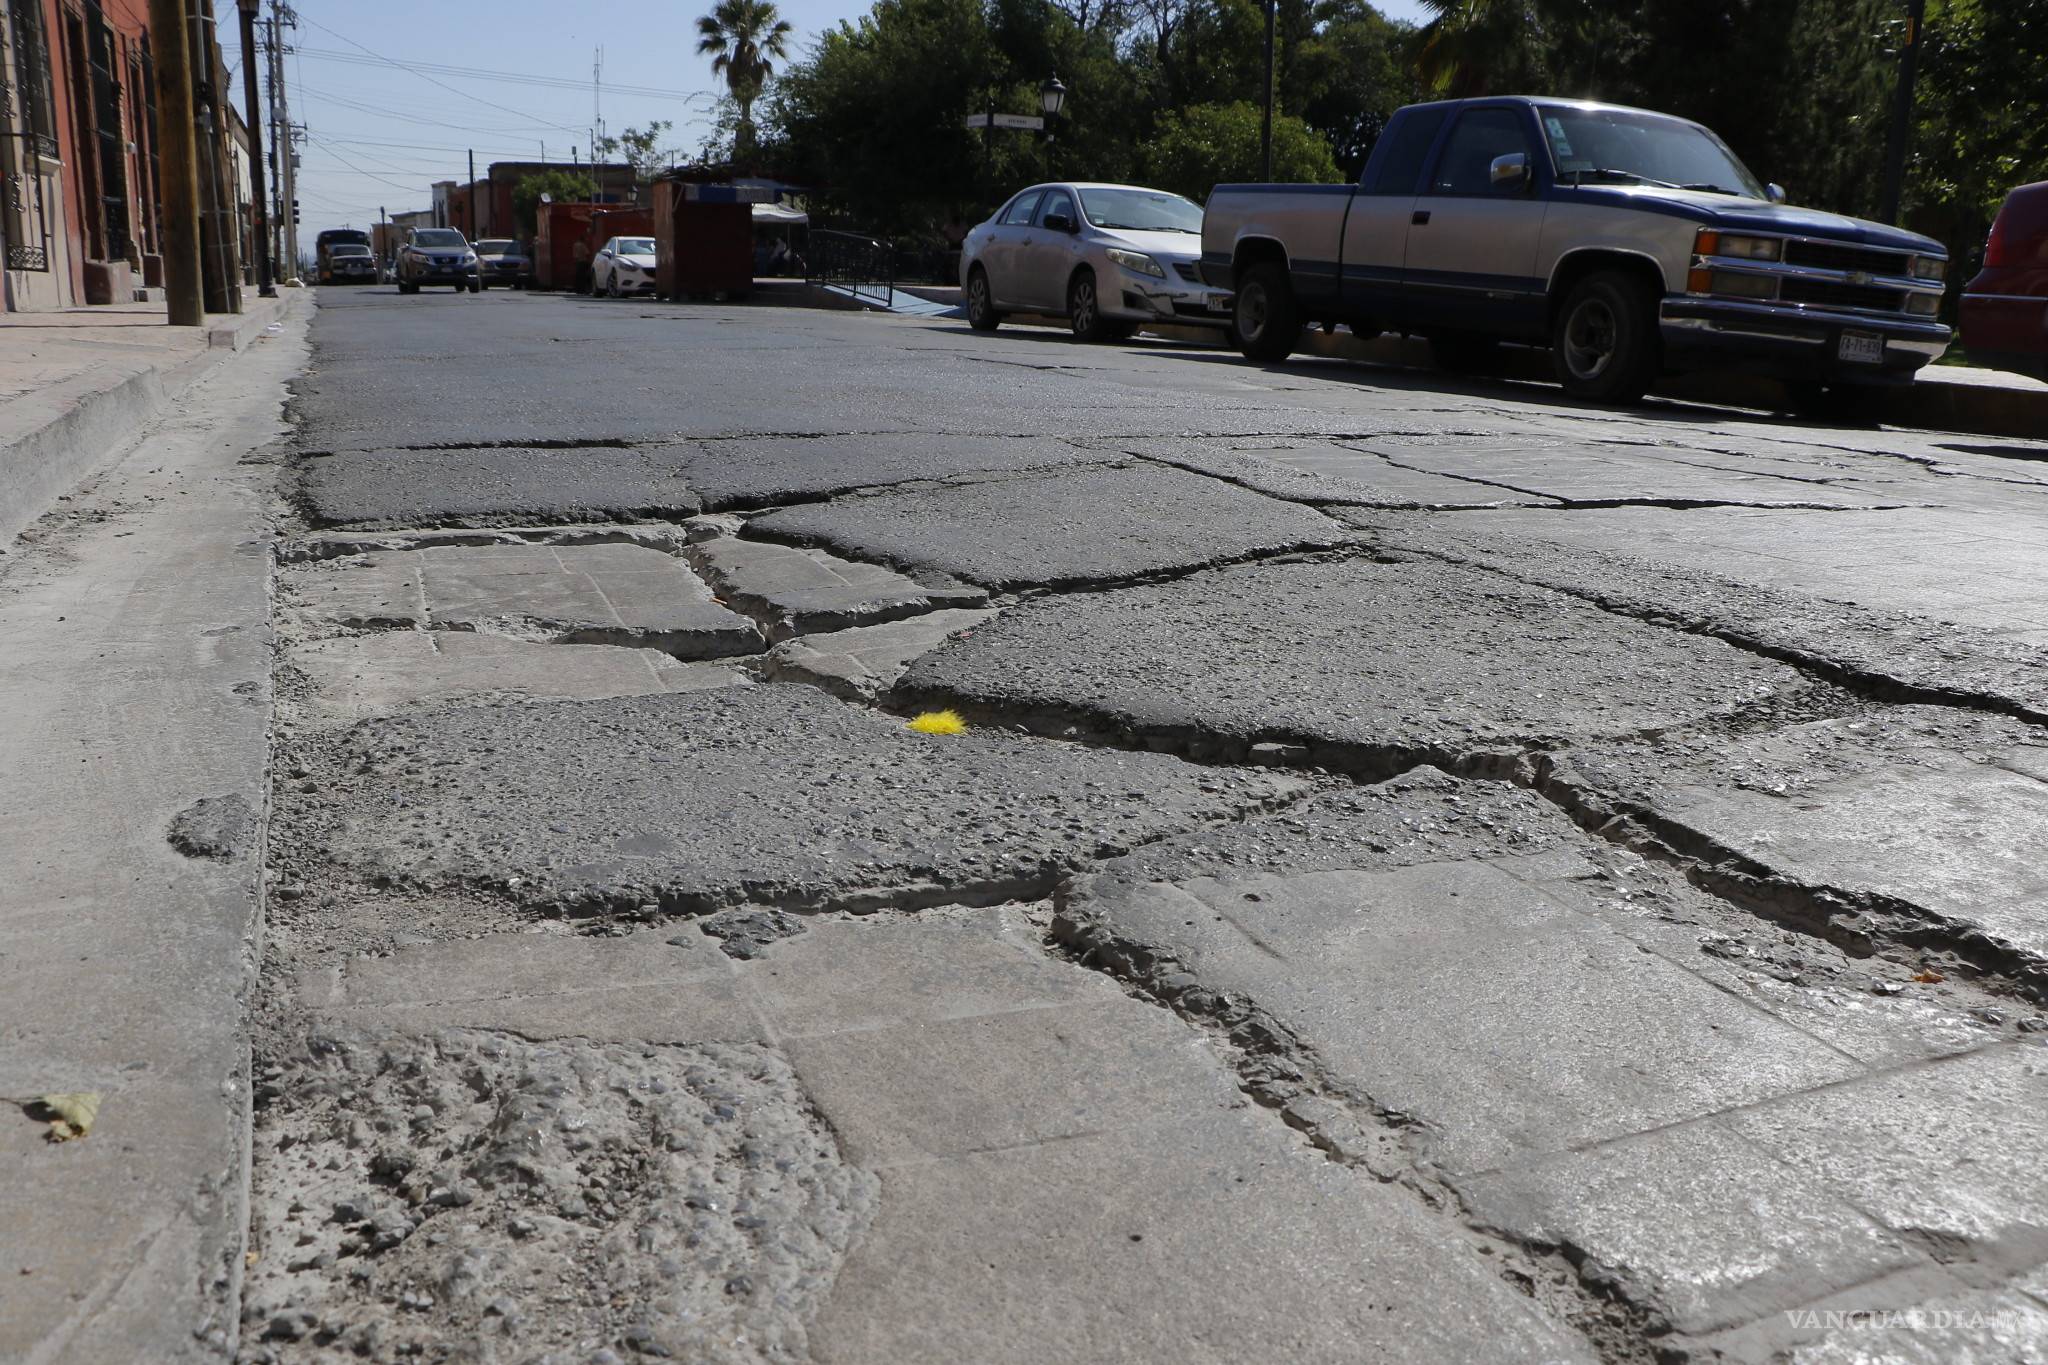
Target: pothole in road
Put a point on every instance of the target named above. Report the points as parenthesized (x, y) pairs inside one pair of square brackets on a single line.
[(474, 1191)]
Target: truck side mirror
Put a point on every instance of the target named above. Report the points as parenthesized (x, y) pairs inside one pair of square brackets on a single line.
[(1509, 174), (1775, 192)]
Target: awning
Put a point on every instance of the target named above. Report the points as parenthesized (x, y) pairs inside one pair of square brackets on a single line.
[(775, 215)]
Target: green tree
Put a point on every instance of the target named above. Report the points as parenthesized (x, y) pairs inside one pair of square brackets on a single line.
[(744, 39), (641, 149), (1981, 115), (1197, 149), (564, 187)]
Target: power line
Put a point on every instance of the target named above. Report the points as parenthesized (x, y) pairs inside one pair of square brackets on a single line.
[(321, 142), (503, 109), (477, 73)]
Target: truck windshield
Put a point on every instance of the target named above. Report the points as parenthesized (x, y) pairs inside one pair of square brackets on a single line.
[(1141, 211), (1625, 146)]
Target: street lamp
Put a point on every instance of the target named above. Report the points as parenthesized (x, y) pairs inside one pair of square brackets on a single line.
[(1052, 97)]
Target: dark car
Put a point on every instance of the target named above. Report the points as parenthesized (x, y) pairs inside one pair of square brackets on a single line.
[(501, 260), (2005, 308), (436, 256), (347, 263)]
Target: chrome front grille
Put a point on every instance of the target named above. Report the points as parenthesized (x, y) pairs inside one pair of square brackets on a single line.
[(1846, 256)]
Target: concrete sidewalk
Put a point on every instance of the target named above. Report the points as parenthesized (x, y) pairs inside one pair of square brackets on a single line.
[(76, 384), (135, 660)]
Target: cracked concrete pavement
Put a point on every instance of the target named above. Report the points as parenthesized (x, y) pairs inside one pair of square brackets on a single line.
[(1417, 870)]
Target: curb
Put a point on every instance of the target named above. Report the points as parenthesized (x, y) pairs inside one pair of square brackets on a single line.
[(90, 416)]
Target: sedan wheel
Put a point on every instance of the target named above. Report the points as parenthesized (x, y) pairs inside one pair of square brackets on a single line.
[(981, 307), (612, 286), (1084, 311)]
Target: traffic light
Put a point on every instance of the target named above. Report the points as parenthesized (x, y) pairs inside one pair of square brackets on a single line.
[(295, 213)]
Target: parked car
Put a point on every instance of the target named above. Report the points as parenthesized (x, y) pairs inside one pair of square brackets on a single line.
[(436, 256), (624, 265), (1106, 257), (1631, 242), (347, 263), (500, 260), (2005, 308)]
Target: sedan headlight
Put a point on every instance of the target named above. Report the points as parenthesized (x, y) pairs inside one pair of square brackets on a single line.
[(1741, 248), (1138, 261), (1930, 268)]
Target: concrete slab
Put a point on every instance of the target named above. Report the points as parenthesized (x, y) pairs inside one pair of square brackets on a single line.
[(1068, 528), (1209, 1239), (495, 486), (1948, 1153), (1383, 663), (354, 676), (606, 804), (625, 595), (866, 661), (1393, 981), (797, 592), (1935, 807), (1695, 1224), (845, 977)]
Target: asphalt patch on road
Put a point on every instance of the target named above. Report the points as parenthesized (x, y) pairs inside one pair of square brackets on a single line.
[(1070, 528), (776, 794), (1366, 666)]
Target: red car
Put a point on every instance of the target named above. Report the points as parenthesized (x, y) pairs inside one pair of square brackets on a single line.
[(2005, 309)]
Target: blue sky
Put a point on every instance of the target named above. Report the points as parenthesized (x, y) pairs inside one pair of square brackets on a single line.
[(378, 135)]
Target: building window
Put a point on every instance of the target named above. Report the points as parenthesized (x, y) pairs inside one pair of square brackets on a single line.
[(32, 72)]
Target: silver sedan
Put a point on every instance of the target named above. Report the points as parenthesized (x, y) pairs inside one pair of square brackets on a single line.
[(1109, 258)]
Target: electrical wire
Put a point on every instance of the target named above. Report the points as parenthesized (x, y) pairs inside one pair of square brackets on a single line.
[(488, 104)]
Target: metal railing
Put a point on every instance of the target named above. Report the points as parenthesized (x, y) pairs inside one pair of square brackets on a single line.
[(863, 266)]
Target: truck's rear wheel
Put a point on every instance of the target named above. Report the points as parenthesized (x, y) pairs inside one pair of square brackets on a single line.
[(1604, 340), (1268, 319)]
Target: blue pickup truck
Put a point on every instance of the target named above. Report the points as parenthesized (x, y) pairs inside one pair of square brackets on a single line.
[(1630, 242)]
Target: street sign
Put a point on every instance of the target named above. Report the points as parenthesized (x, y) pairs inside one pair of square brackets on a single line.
[(1028, 121)]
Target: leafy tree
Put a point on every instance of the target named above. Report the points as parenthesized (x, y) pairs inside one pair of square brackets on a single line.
[(1981, 116), (744, 39), (565, 187), (1213, 144), (641, 149)]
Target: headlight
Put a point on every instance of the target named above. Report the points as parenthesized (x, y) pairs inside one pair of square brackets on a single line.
[(1930, 268), (1138, 261), (1741, 248), (469, 258)]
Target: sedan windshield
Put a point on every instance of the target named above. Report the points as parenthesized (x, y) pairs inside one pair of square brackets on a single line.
[(438, 237), (494, 247), (634, 246), (1625, 147), (1141, 211)]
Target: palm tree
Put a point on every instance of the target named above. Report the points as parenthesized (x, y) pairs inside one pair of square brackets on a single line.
[(743, 37)]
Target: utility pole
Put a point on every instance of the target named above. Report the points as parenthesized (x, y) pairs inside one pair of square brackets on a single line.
[(217, 234), (475, 227), (259, 211), (1896, 137), (180, 161), (282, 18), (1266, 125)]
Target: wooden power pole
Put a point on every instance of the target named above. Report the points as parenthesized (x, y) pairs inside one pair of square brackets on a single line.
[(259, 207), (177, 136)]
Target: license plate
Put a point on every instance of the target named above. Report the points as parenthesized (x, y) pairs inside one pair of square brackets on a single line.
[(1861, 348)]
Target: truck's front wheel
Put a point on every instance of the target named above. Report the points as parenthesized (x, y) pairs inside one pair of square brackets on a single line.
[(1604, 341), (1268, 319)]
